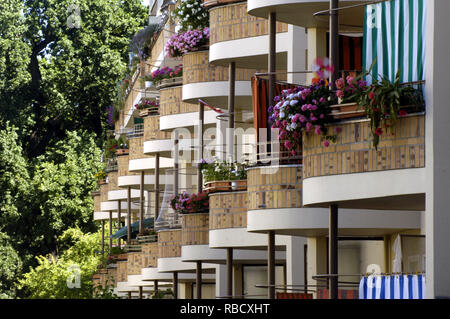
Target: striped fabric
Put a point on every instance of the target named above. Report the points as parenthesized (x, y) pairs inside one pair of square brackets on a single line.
[(392, 287), (394, 35)]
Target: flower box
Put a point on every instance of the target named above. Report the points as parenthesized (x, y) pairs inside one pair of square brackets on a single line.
[(346, 110), (170, 82), (149, 111), (102, 182), (121, 151), (219, 186)]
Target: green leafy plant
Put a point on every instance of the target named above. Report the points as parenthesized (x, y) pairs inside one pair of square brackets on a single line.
[(383, 102), (191, 15), (222, 171)]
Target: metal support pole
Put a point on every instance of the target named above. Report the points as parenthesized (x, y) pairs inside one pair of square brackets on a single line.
[(110, 231), (129, 215), (103, 237), (175, 284), (155, 283), (198, 279), (201, 119), (333, 251), (176, 165), (129, 294), (231, 98), (141, 210), (156, 186), (272, 54), (119, 212), (140, 292), (271, 264), (230, 273), (334, 39)]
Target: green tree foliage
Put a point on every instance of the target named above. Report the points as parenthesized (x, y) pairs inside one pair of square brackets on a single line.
[(10, 267), (62, 181), (57, 278), (64, 57)]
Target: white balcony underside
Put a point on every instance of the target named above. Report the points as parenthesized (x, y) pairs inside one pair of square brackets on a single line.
[(313, 222), (152, 273), (177, 264), (240, 238), (114, 205), (401, 189), (219, 256), (173, 121), (122, 194), (216, 93), (105, 215), (250, 52), (134, 181), (143, 164), (161, 146)]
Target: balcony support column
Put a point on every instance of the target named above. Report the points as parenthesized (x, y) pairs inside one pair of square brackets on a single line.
[(175, 284), (230, 273), (129, 215), (155, 286), (271, 63), (271, 264), (156, 186), (231, 111), (140, 292), (141, 199), (129, 294), (110, 231), (198, 279), (334, 39), (119, 212), (103, 237), (333, 251), (201, 120)]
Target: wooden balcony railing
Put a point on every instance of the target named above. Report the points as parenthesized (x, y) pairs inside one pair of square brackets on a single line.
[(228, 210), (274, 187), (353, 151), (171, 102), (169, 243), (231, 22), (195, 229)]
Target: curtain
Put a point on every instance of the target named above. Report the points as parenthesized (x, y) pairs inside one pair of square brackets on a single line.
[(394, 35), (392, 287)]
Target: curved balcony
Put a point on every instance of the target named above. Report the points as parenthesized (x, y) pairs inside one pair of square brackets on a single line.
[(228, 223), (354, 174), (202, 80), (169, 252), (275, 204), (242, 38), (301, 12), (174, 113)]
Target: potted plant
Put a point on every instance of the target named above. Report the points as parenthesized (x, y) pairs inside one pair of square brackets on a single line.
[(187, 41), (147, 107), (302, 110), (383, 102), (122, 148), (101, 177), (345, 90), (186, 203), (223, 176), (166, 75)]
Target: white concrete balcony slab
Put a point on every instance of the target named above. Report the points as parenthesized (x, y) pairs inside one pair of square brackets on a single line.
[(144, 164)]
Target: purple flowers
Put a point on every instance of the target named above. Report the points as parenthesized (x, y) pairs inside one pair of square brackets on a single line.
[(184, 42), (166, 73)]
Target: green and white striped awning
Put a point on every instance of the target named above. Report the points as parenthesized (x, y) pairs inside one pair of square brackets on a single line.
[(394, 35)]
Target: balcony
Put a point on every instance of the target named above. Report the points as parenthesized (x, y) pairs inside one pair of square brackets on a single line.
[(175, 113), (237, 36), (202, 80), (394, 172), (301, 12)]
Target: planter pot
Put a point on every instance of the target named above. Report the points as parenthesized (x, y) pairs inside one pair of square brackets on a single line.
[(221, 186), (149, 111), (170, 82), (122, 151), (148, 84), (102, 182), (347, 110)]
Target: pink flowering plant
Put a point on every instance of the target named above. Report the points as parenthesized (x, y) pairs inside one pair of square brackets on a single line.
[(147, 104), (303, 109), (382, 101), (186, 203), (346, 88), (187, 41), (166, 73)]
